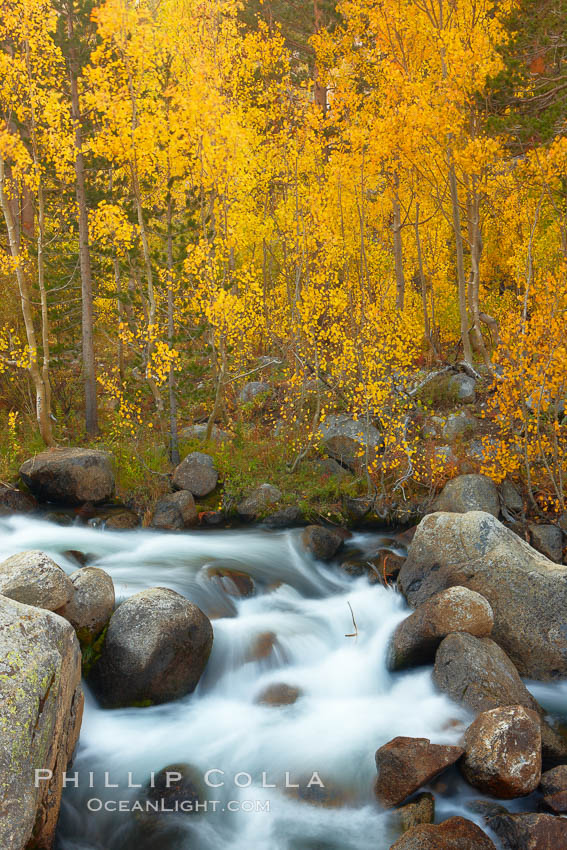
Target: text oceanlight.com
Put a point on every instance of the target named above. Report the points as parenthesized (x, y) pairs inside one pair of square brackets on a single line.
[(95, 804)]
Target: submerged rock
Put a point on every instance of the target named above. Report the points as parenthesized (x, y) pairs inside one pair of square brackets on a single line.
[(456, 609), (405, 764), (121, 520), (155, 650), (503, 752), (41, 705), (92, 603), (261, 646), (69, 476), (234, 583), (486, 808), (469, 493), (177, 786), (454, 834), (34, 579), (323, 543), (527, 592), (197, 474), (279, 694)]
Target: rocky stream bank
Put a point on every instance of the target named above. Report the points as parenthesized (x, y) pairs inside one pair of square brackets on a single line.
[(486, 609)]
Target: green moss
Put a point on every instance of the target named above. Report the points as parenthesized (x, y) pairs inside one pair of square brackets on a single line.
[(438, 393), (92, 651)]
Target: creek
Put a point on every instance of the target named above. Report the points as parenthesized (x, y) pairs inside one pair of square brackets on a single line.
[(309, 626)]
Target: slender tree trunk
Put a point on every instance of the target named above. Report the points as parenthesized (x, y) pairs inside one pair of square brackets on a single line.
[(152, 306), (120, 344), (26, 196), (89, 369), (43, 412), (422, 283), (219, 393), (398, 247), (456, 215), (475, 242), (43, 298), (320, 91), (173, 436), (461, 277)]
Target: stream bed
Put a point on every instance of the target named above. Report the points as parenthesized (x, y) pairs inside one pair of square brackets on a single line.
[(309, 626)]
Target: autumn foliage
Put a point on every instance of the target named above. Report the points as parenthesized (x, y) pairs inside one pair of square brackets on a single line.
[(362, 223)]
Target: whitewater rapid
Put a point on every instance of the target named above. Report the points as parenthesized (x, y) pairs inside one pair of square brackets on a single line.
[(349, 704)]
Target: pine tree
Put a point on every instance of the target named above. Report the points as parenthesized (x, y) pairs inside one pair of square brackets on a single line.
[(527, 100)]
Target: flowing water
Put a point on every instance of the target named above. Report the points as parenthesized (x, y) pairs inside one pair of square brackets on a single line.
[(302, 616)]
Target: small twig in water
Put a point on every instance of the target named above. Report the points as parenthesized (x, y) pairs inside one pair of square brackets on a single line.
[(355, 633)]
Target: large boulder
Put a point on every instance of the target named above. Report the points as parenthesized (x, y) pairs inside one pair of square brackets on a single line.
[(155, 650), (199, 432), (462, 388), (34, 579), (511, 497), (196, 473), (529, 831), (323, 543), (14, 501), (41, 704), (458, 425), (175, 511), (503, 752), (92, 603), (527, 592), (556, 803), (285, 518), (456, 609), (405, 764), (421, 809), (555, 780), (258, 501), (454, 834), (349, 440), (69, 476), (252, 390), (469, 493), (553, 786), (547, 539), (478, 674)]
